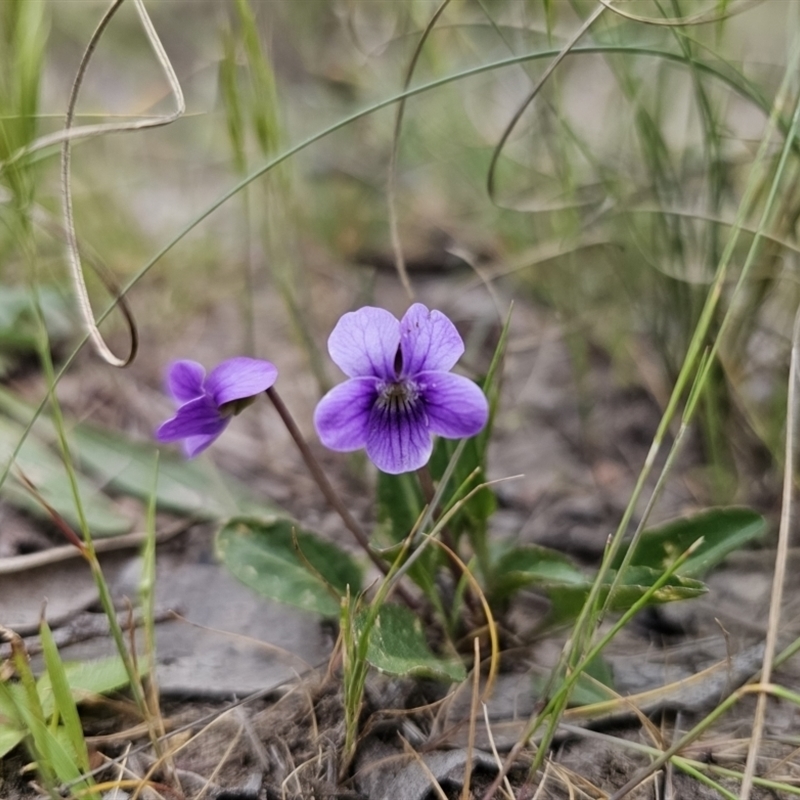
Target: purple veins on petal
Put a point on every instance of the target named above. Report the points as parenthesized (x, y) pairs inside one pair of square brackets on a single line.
[(238, 378), (399, 441), (457, 408), (365, 343), (185, 380), (342, 417), (429, 341)]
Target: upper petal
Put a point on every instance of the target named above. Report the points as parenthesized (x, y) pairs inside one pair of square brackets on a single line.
[(399, 441), (456, 407), (195, 418), (185, 380), (365, 342), (342, 416), (428, 340), (240, 377)]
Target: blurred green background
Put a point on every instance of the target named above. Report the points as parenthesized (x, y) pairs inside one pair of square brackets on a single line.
[(611, 203)]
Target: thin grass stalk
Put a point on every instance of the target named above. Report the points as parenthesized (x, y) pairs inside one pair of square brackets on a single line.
[(89, 553), (672, 455), (568, 48), (587, 619), (699, 729), (700, 334), (781, 560), (147, 597), (688, 765), (557, 703)]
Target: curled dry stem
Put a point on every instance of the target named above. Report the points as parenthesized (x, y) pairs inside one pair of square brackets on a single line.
[(73, 251)]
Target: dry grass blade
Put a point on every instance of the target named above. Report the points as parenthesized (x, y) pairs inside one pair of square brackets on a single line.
[(506, 782), (435, 786), (473, 719), (73, 250), (781, 557)]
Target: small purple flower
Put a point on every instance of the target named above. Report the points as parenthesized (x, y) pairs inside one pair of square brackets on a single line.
[(400, 389), (206, 404)]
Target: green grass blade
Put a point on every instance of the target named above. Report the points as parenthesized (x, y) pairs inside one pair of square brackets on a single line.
[(63, 699)]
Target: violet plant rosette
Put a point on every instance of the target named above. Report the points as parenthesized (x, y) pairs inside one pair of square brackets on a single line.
[(206, 404), (400, 391)]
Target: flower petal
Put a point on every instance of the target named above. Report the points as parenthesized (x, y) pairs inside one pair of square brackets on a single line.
[(185, 380), (342, 417), (194, 445), (399, 441), (365, 342), (456, 407), (429, 341), (198, 417), (240, 377)]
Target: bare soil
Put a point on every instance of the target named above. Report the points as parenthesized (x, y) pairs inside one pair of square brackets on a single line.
[(579, 453)]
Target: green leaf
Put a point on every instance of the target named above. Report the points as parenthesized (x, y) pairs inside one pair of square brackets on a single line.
[(19, 329), (530, 564), (397, 646), (723, 530), (263, 556), (594, 684), (184, 487), (52, 751), (568, 600), (46, 471), (85, 679), (63, 698), (12, 731)]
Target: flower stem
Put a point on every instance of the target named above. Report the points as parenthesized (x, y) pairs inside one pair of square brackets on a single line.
[(327, 489)]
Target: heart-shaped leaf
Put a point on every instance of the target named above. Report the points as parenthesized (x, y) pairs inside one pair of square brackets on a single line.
[(397, 646), (287, 564), (723, 530)]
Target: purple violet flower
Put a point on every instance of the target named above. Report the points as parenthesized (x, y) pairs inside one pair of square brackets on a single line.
[(400, 389), (206, 404)]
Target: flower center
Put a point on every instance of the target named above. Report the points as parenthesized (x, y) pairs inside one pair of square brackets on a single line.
[(397, 396)]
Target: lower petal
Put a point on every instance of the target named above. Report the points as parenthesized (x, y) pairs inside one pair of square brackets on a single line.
[(342, 417), (399, 441), (194, 445), (198, 417), (457, 408)]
